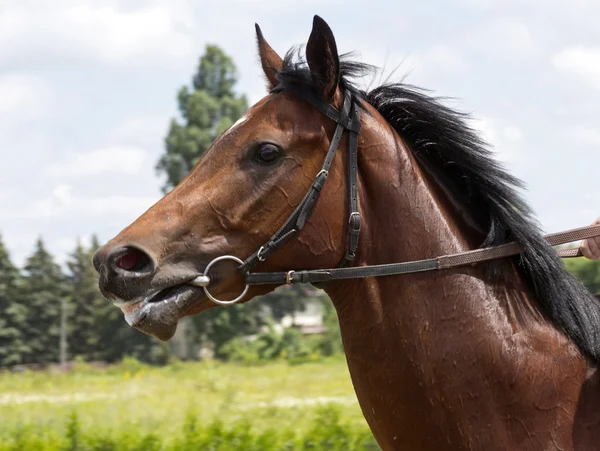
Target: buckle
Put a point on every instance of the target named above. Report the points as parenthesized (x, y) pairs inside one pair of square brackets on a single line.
[(354, 222), (288, 277), (260, 251)]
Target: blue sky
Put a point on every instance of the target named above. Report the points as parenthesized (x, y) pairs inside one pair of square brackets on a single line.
[(87, 89)]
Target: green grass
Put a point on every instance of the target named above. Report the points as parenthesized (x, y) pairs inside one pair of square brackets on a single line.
[(206, 406)]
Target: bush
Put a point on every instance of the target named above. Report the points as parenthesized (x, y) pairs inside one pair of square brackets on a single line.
[(290, 345), (327, 432)]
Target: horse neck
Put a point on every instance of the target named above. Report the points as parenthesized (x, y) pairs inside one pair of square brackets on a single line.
[(403, 334), (405, 216)]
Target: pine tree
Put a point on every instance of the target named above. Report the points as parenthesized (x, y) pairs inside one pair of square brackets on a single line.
[(208, 110), (88, 308), (13, 347), (44, 288)]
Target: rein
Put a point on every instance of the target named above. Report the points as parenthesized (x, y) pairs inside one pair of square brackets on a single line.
[(348, 119), (431, 264)]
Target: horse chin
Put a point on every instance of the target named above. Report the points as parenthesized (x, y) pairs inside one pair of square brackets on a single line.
[(158, 316)]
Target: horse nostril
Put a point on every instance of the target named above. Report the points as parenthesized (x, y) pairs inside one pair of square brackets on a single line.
[(96, 260), (131, 259)]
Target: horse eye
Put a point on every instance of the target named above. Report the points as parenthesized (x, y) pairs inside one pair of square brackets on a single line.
[(267, 154)]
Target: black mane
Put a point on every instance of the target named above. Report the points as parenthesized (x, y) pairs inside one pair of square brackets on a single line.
[(446, 146)]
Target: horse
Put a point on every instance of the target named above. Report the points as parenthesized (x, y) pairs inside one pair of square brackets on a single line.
[(500, 355)]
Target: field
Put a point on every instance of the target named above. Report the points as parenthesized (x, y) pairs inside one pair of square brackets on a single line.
[(184, 406)]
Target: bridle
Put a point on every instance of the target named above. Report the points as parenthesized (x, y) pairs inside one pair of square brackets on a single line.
[(348, 119)]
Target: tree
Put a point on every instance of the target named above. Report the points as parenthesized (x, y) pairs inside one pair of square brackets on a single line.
[(44, 288), (89, 311), (13, 347), (209, 109), (220, 325), (587, 271), (287, 300)]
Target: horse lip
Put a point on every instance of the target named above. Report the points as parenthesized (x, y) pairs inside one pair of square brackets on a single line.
[(159, 318), (130, 305)]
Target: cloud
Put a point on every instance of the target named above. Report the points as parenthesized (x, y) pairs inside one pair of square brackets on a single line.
[(537, 5), (106, 32), (504, 139), (582, 62), (24, 97), (142, 130), (503, 39), (445, 58), (114, 159), (586, 135), (85, 80), (64, 200)]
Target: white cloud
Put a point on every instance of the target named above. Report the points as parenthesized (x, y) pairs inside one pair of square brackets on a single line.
[(538, 5), (142, 130), (445, 58), (24, 96), (583, 62), (79, 68), (486, 130), (504, 139), (586, 135), (504, 39), (115, 159), (512, 133), (63, 201), (106, 32)]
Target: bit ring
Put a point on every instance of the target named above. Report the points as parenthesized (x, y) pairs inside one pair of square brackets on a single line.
[(210, 296)]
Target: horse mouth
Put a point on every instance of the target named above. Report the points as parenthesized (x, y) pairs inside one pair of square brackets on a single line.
[(158, 313)]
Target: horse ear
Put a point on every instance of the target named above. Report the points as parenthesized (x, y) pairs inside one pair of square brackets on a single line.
[(271, 62), (322, 57)]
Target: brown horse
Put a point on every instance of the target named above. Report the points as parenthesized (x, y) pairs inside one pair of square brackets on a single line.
[(497, 356)]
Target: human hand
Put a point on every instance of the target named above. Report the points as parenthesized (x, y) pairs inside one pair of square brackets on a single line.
[(591, 247)]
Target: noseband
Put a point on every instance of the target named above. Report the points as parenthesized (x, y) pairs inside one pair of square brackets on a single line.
[(348, 119)]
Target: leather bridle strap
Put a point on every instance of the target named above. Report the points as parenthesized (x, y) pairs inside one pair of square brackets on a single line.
[(432, 264), (347, 119), (354, 221)]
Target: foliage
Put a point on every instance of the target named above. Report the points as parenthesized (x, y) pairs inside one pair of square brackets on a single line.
[(197, 405), (31, 313), (31, 306), (44, 289), (331, 343), (12, 313), (327, 432), (288, 300), (90, 314), (97, 328), (269, 345), (220, 325), (587, 271), (208, 109)]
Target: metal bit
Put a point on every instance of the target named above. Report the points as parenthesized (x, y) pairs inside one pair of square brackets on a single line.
[(200, 281)]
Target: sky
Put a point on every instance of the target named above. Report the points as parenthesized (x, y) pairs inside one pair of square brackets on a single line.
[(87, 90)]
